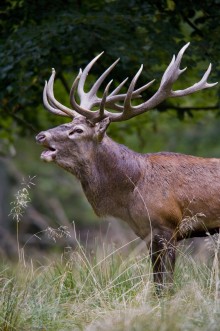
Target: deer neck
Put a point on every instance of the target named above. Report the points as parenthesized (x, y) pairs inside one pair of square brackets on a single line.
[(112, 170)]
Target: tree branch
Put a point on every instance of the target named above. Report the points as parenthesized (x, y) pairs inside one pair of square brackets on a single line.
[(166, 107)]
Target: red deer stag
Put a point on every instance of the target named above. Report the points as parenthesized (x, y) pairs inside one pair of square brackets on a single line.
[(164, 197)]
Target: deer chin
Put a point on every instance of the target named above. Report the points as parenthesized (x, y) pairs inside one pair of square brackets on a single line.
[(49, 154)]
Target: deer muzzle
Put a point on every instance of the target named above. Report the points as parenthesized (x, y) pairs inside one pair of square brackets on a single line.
[(49, 154)]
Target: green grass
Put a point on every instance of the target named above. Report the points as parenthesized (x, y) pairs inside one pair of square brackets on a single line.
[(106, 291)]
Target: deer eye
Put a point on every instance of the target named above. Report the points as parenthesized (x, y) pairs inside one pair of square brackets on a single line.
[(78, 130), (75, 131)]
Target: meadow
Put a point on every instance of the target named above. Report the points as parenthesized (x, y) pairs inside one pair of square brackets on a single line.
[(98, 284), (106, 288)]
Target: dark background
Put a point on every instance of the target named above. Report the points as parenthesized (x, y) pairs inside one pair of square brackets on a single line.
[(66, 35)]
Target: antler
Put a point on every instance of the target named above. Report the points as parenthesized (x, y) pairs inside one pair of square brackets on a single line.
[(90, 99)]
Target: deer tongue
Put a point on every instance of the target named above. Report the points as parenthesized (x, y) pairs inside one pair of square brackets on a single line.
[(48, 155)]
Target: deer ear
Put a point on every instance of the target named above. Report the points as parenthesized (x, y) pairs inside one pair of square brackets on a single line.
[(101, 127)]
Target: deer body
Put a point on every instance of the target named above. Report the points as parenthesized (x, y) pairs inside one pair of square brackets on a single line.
[(163, 188), (164, 197)]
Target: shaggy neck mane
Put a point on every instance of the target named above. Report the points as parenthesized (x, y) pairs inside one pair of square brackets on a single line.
[(112, 169)]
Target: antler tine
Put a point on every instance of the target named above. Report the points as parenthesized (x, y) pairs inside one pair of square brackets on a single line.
[(52, 99), (173, 71), (142, 88), (73, 89), (127, 102), (205, 77), (47, 104), (103, 102), (114, 97), (117, 89), (97, 84), (85, 74)]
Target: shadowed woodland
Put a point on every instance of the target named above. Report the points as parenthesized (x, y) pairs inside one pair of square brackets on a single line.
[(38, 35)]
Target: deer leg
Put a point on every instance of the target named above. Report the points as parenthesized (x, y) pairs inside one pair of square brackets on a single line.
[(162, 252)]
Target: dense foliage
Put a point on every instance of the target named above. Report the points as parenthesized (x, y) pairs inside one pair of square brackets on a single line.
[(38, 35), (66, 35)]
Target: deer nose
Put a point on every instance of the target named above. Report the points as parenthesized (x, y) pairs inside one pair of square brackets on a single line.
[(41, 137)]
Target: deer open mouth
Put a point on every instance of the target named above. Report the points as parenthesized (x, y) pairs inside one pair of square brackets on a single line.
[(49, 154)]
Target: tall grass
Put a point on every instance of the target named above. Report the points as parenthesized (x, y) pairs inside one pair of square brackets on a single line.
[(106, 291)]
